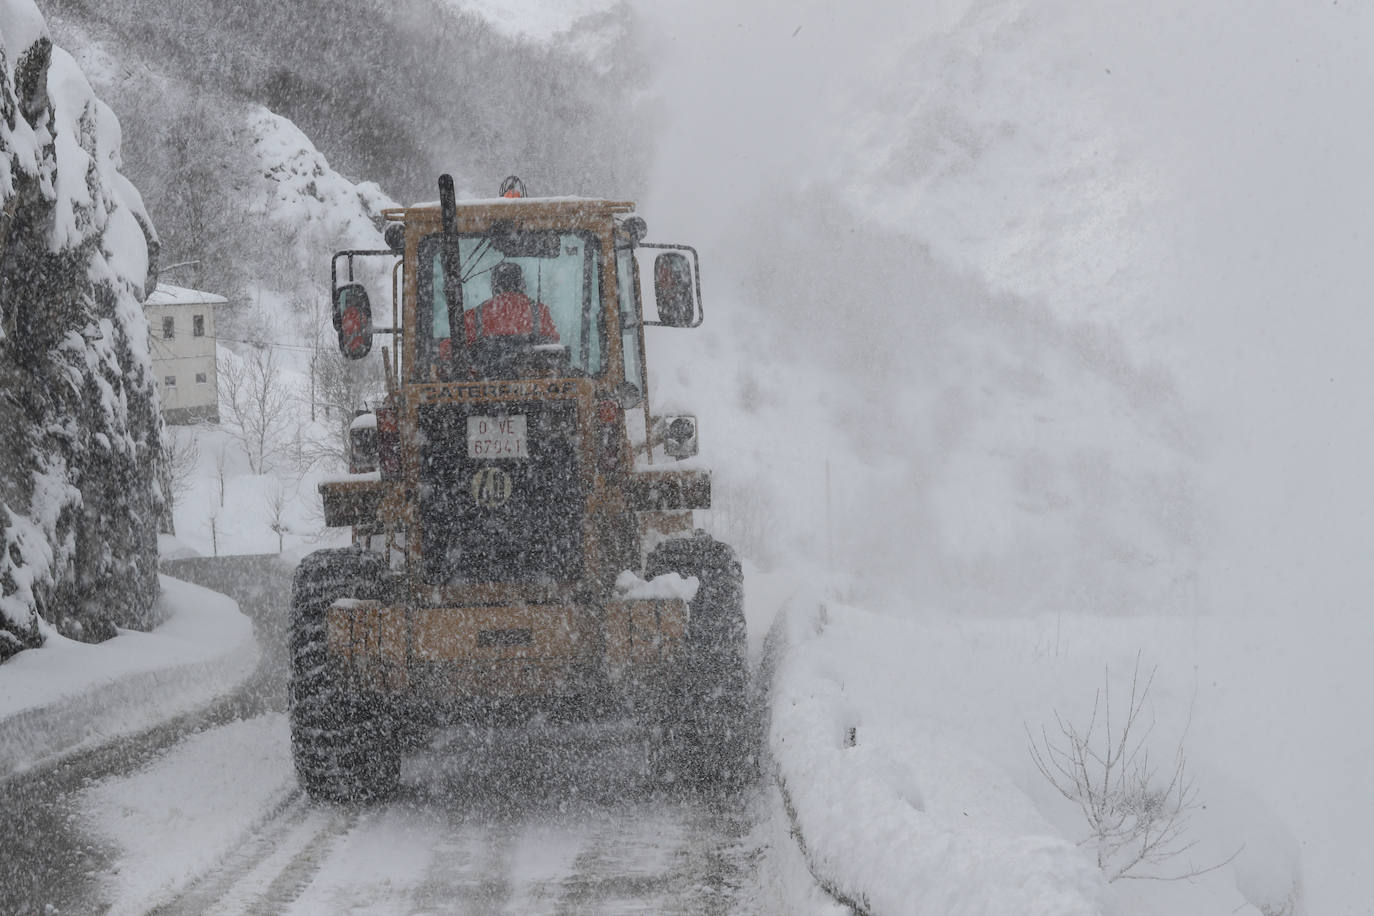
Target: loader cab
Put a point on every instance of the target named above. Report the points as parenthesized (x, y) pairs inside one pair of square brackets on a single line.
[(560, 350), (579, 260)]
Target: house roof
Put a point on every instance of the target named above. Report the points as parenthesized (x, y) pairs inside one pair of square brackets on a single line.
[(166, 294)]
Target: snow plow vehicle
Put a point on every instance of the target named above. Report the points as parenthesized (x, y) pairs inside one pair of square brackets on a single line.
[(523, 535)]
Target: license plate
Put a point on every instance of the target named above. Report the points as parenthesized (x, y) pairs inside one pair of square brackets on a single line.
[(497, 437)]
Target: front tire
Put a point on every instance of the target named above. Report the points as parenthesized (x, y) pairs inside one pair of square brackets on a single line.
[(704, 732), (340, 734)]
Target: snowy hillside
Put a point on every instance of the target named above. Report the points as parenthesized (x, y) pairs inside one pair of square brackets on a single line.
[(1187, 180), (306, 196)]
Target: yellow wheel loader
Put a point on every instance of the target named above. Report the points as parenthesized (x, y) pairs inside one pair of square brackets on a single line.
[(523, 536)]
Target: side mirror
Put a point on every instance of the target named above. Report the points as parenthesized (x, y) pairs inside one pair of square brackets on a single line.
[(673, 290), (353, 320)]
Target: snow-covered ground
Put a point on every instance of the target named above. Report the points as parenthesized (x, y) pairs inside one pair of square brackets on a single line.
[(224, 802), (899, 737), (182, 815), (904, 739), (69, 696), (240, 519)]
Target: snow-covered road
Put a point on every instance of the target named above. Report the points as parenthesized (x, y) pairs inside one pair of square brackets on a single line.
[(490, 822), (205, 816)]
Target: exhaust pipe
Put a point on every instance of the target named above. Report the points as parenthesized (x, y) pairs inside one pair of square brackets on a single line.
[(448, 203)]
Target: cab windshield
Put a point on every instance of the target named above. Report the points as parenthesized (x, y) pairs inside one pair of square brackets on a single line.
[(527, 297)]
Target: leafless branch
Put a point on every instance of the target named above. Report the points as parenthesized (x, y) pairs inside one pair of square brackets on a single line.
[(1137, 816)]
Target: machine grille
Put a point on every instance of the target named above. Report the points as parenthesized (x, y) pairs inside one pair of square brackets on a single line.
[(504, 519)]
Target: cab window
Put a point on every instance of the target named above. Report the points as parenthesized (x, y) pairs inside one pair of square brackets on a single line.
[(559, 284)]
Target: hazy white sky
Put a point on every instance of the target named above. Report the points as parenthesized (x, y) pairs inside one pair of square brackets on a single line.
[(537, 19)]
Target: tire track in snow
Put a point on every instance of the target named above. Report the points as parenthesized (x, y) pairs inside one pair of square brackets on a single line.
[(672, 856), (562, 823), (269, 870), (656, 854)]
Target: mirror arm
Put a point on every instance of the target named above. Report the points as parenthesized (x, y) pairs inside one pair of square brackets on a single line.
[(352, 253)]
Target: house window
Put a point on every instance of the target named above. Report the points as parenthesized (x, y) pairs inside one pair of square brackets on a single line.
[(198, 326), (169, 329), (169, 381), (200, 378)]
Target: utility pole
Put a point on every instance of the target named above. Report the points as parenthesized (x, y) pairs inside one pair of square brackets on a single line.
[(829, 523)]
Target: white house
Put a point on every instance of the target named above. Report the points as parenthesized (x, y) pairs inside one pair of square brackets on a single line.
[(181, 325)]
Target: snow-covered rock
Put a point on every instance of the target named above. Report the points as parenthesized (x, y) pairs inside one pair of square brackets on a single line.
[(79, 425), (303, 190)]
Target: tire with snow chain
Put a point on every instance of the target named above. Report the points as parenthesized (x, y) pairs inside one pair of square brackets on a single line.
[(340, 735), (705, 731)]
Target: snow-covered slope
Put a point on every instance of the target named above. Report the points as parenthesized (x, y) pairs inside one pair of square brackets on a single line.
[(250, 485), (1043, 307)]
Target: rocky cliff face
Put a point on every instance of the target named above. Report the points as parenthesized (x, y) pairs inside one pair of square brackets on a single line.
[(79, 426)]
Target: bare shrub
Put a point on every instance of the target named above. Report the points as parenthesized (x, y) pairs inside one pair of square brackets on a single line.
[(276, 504), (342, 387), (180, 458), (1137, 813), (253, 391)]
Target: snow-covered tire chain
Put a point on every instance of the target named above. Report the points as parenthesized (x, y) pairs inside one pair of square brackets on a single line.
[(340, 735), (705, 732)]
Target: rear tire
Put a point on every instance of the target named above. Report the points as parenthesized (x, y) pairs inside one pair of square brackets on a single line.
[(341, 736), (705, 733)]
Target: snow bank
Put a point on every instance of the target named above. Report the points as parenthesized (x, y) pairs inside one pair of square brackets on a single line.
[(901, 744), (71, 695), (901, 816)]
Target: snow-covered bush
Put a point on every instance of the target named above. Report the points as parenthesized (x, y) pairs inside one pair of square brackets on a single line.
[(79, 424)]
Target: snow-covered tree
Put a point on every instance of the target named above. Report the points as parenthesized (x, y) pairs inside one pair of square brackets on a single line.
[(79, 423)]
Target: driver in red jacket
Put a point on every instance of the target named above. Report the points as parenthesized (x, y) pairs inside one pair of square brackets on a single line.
[(509, 310)]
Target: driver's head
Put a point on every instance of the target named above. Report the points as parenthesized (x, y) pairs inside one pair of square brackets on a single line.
[(507, 278)]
